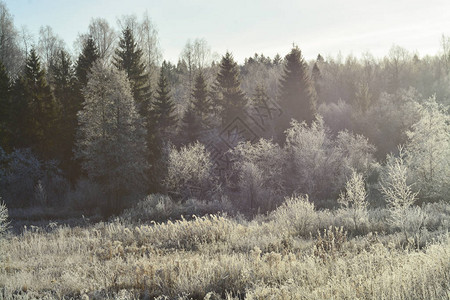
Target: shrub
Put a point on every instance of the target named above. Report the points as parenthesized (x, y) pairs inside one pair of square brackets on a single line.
[(157, 207), (190, 173), (354, 199), (296, 216), (3, 218), (259, 169), (24, 174)]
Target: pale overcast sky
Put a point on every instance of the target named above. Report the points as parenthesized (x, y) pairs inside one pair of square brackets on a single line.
[(266, 26)]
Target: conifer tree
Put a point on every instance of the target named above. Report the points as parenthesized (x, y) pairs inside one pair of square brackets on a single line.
[(201, 102), (191, 125), (42, 110), (129, 58), (111, 140), (297, 99), (17, 111), (65, 92), (163, 106), (232, 99), (316, 77), (88, 56)]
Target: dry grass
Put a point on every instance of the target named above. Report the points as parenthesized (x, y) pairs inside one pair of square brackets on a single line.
[(217, 257)]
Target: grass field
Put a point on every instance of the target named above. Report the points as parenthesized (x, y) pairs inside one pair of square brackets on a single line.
[(296, 252)]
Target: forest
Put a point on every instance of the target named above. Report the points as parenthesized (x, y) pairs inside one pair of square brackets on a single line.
[(127, 176)]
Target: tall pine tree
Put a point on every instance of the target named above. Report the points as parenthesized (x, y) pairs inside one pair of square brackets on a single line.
[(129, 58), (297, 97), (190, 125), (88, 56), (65, 91), (163, 106), (231, 98), (42, 110), (201, 102)]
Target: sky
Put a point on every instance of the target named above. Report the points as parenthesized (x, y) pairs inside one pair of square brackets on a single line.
[(245, 27)]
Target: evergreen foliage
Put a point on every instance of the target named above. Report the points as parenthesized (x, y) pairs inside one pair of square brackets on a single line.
[(65, 91), (231, 99), (163, 106), (42, 111), (191, 125), (88, 56), (129, 58), (297, 98), (201, 102)]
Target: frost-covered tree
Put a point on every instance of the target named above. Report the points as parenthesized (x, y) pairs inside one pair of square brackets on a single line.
[(111, 140), (428, 151), (49, 47), (103, 35), (318, 164), (399, 195), (10, 53)]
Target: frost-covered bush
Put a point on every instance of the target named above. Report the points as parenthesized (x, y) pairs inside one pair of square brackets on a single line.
[(354, 200), (158, 207), (319, 165), (296, 216), (3, 217), (190, 173), (259, 169), (24, 179)]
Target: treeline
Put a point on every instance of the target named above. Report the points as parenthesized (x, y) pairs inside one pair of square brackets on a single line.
[(113, 120)]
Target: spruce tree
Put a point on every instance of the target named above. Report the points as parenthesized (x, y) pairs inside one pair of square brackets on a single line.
[(5, 93), (42, 111), (201, 102), (316, 77), (88, 56), (232, 99), (129, 58), (65, 91), (17, 111), (191, 125), (297, 99), (163, 106)]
